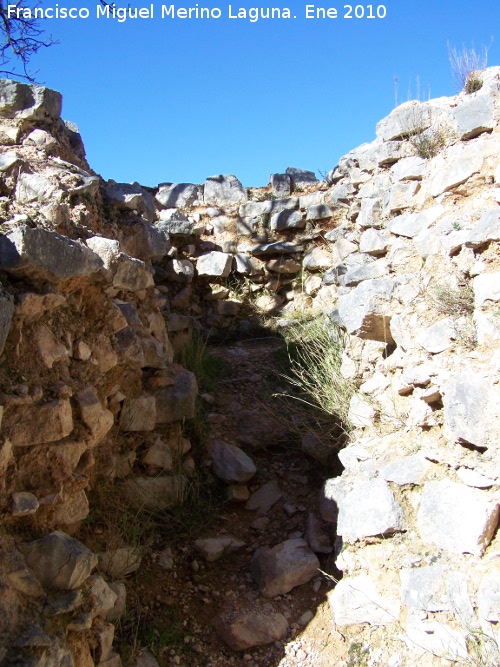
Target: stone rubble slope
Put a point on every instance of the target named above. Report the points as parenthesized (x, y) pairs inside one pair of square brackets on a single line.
[(102, 282)]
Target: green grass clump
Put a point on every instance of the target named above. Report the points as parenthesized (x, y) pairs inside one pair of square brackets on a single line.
[(315, 357)]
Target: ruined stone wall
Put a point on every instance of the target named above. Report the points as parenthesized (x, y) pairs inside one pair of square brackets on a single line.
[(101, 282)]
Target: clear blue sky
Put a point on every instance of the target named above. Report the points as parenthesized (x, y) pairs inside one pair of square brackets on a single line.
[(179, 100)]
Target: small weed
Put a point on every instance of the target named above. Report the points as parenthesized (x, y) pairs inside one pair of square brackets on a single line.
[(358, 655), (315, 356), (427, 144), (455, 301), (466, 66), (196, 358), (457, 225)]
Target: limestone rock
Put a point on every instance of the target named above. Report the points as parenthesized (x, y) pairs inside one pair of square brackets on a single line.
[(287, 219), (224, 189), (213, 548), (50, 349), (139, 414), (132, 197), (486, 288), (486, 230), (456, 517), (38, 424), (423, 587), (280, 184), (475, 116), (264, 498), (71, 510), (300, 177), (370, 509), (438, 337), (317, 538), (155, 492), (178, 195), (489, 598), (24, 503), (318, 212), (214, 264), (471, 409), (22, 100), (230, 463), (277, 248), (374, 242), (46, 255), (434, 638), (316, 259), (177, 402), (279, 569), (356, 601), (455, 166), (242, 629), (365, 311), (58, 561), (97, 418), (132, 274), (408, 470), (103, 597), (361, 412), (174, 223), (332, 493), (159, 455), (120, 562)]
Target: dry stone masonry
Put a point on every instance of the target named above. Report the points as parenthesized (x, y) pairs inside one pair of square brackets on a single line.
[(103, 283)]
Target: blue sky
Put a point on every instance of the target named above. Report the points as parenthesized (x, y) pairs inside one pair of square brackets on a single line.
[(178, 100)]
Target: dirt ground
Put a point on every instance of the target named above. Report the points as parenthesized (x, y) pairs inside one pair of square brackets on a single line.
[(170, 611)]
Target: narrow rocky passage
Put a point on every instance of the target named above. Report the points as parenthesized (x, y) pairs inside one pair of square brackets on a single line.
[(215, 577)]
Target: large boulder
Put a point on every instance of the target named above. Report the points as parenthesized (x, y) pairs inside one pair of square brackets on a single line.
[(46, 255), (22, 100), (224, 189), (178, 195)]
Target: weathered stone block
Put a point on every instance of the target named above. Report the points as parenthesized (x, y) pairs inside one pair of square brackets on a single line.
[(370, 509), (37, 424), (214, 264), (456, 517), (242, 630), (283, 567), (178, 195), (365, 311), (22, 100), (230, 463), (224, 189), (472, 410), (139, 414), (356, 601), (46, 255), (58, 561)]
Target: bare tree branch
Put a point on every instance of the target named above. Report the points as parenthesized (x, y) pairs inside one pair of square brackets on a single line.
[(22, 37)]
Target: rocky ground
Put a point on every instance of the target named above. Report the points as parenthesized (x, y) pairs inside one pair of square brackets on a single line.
[(177, 593)]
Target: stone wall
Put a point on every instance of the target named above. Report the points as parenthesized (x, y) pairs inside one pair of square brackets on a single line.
[(101, 282)]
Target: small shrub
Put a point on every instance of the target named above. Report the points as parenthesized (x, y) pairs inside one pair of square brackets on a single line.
[(453, 301), (466, 66), (427, 144), (315, 357)]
